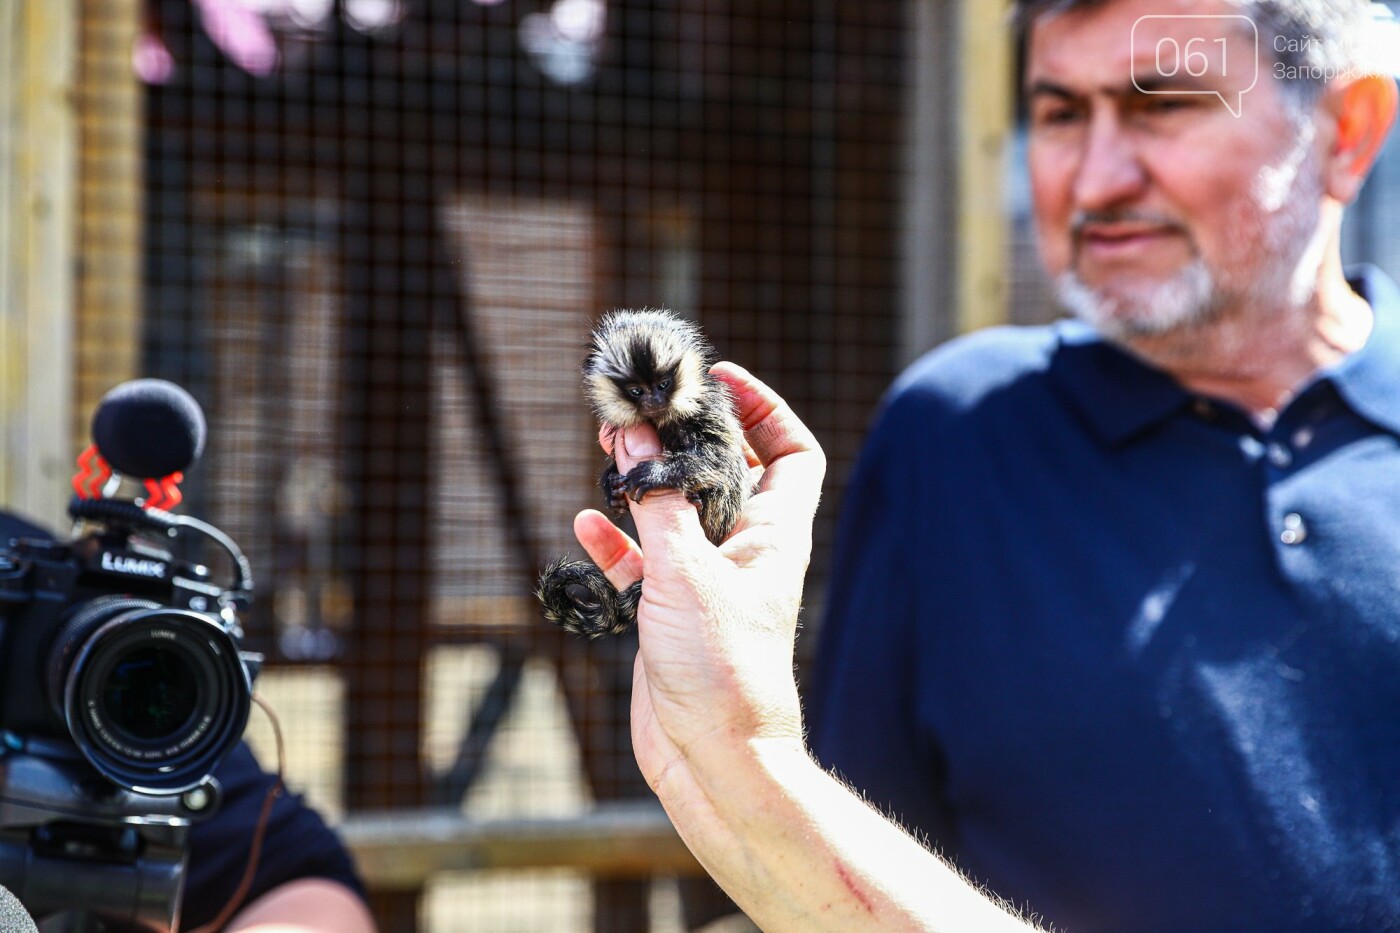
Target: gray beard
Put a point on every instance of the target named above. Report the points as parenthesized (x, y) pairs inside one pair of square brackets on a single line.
[(1187, 301)]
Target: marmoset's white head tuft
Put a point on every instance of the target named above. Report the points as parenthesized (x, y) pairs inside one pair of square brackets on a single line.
[(646, 366)]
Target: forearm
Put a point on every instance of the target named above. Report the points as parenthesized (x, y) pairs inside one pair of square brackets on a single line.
[(797, 850), (306, 905)]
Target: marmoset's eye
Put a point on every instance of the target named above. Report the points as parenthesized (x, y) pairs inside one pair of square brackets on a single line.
[(664, 384), (634, 391)]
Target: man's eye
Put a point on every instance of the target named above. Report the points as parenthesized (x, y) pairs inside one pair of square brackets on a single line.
[(1057, 116), (1168, 103)]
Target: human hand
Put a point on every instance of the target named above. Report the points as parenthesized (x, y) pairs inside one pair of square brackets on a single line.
[(714, 673), (716, 725)]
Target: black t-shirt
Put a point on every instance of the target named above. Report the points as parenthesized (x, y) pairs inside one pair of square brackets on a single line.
[(297, 843)]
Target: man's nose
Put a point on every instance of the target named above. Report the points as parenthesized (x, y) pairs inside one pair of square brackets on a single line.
[(1110, 171)]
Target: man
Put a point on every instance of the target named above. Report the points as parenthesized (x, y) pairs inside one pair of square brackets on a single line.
[(1116, 614)]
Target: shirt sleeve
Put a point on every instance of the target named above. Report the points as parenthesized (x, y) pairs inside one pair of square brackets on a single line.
[(298, 843), (863, 695)]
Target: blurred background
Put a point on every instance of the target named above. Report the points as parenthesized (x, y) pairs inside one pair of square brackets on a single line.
[(370, 236)]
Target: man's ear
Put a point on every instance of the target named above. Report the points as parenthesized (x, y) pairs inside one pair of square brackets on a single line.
[(1364, 110)]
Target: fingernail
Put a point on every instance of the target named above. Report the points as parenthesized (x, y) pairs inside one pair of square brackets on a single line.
[(639, 444)]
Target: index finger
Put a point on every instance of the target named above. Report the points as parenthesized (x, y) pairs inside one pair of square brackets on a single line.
[(783, 444), (607, 438)]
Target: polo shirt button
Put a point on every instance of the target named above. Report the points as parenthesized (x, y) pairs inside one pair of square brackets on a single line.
[(1279, 455), (1294, 529)]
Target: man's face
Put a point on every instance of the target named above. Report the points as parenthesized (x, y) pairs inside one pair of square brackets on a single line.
[(1158, 209)]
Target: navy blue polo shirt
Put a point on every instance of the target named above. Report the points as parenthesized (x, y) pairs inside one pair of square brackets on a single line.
[(1125, 657)]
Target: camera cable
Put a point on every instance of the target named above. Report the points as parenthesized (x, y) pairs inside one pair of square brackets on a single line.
[(259, 831)]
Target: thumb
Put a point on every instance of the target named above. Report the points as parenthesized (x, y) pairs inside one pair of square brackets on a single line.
[(635, 444), (667, 522)]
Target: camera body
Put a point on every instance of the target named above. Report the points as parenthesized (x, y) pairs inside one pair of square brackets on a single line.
[(122, 681), (127, 653), (122, 687)]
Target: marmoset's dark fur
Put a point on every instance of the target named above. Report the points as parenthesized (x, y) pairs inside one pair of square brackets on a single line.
[(651, 366)]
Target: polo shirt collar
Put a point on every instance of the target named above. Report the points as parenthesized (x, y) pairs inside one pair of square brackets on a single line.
[(1120, 397), (1116, 394)]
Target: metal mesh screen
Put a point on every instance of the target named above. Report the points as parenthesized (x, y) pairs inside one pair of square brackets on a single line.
[(370, 236)]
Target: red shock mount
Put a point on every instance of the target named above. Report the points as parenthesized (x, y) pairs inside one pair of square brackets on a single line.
[(94, 472)]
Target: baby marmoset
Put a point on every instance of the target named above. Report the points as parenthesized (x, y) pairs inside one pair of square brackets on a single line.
[(652, 367)]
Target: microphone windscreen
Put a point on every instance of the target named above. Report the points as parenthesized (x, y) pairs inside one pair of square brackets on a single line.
[(149, 428), (13, 917)]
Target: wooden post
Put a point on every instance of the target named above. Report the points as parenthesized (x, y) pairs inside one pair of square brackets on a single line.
[(984, 117), (37, 195), (959, 116), (388, 411), (108, 276)]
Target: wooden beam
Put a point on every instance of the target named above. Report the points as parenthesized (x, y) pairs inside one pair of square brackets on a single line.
[(985, 103), (38, 132), (928, 271), (403, 849)]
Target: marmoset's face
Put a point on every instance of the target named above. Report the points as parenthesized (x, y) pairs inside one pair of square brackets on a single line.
[(1157, 206)]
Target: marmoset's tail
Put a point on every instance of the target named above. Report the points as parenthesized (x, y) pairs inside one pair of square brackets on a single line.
[(578, 598)]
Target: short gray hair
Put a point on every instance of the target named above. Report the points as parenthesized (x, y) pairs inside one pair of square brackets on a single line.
[(1311, 41)]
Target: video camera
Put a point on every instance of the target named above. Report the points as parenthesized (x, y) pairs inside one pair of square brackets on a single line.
[(122, 682)]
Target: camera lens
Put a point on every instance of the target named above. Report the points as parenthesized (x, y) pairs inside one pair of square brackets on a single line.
[(153, 697), (150, 693)]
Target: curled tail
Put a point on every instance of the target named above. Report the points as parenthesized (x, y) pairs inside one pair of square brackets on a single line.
[(579, 599)]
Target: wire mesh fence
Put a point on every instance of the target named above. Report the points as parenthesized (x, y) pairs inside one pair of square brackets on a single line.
[(370, 236)]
